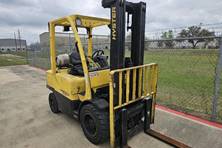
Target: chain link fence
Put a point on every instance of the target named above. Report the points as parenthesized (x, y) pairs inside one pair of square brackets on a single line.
[(189, 77), (38, 54)]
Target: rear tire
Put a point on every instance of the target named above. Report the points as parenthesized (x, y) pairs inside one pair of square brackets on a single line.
[(95, 124), (53, 103)]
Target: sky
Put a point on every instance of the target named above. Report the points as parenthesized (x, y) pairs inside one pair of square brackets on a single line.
[(31, 16)]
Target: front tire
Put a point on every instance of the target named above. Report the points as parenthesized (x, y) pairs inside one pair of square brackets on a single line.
[(94, 123), (53, 103)]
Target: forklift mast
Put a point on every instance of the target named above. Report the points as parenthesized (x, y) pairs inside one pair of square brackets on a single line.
[(120, 10)]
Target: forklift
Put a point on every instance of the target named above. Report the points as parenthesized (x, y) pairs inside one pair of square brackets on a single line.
[(110, 99)]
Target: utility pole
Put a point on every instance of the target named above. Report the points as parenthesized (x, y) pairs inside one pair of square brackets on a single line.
[(19, 37), (70, 44), (217, 84), (15, 42)]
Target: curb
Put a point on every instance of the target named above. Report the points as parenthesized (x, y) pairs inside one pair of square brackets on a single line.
[(190, 117)]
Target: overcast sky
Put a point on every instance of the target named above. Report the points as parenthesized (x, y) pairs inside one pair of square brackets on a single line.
[(31, 16)]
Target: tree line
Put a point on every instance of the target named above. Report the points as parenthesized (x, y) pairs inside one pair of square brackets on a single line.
[(193, 34)]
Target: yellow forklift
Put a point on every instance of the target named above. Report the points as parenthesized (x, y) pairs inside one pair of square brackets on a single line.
[(110, 99)]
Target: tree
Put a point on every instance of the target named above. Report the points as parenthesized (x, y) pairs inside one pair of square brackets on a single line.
[(167, 37), (198, 32), (160, 44)]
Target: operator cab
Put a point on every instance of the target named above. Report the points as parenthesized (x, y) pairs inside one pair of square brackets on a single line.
[(95, 58), (81, 70)]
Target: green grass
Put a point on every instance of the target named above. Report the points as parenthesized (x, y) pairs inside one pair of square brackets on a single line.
[(186, 79), (19, 53), (10, 59)]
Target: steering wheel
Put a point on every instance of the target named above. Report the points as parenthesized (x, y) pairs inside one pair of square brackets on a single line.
[(98, 53)]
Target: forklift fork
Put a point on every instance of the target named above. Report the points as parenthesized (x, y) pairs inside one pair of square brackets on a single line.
[(155, 134)]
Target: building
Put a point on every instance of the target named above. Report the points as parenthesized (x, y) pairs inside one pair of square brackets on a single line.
[(65, 41), (12, 45)]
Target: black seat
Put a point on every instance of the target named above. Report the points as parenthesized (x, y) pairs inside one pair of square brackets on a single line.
[(76, 68)]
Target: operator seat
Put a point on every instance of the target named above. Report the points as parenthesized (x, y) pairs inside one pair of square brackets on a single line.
[(75, 61), (76, 64)]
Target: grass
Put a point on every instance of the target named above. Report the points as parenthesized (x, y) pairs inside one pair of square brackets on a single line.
[(186, 79), (12, 58)]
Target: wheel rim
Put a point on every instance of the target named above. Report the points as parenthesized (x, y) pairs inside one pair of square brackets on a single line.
[(90, 125)]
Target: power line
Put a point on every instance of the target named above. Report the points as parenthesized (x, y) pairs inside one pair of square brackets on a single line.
[(183, 27), (15, 41), (19, 37)]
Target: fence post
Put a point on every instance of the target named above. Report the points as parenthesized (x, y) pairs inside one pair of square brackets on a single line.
[(217, 86)]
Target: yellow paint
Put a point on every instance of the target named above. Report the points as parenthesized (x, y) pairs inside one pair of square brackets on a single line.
[(127, 85), (52, 47), (111, 114), (140, 82), (120, 87), (99, 78), (90, 43), (134, 84)]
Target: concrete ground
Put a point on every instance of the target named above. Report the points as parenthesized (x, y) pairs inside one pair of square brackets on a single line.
[(26, 120)]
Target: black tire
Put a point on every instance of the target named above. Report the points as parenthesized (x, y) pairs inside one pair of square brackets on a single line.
[(53, 103), (95, 124)]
